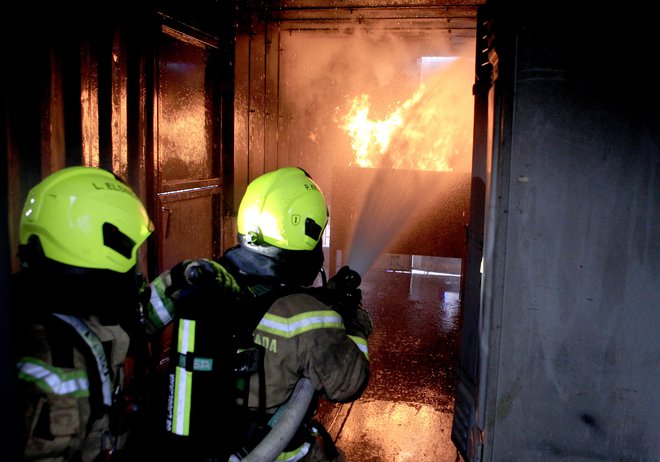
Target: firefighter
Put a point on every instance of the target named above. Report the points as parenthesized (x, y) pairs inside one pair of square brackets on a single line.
[(303, 331), (74, 300)]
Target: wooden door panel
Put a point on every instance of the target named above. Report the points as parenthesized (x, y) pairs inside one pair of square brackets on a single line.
[(186, 224), (187, 179)]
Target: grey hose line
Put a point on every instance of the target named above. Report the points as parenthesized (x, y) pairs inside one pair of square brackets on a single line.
[(287, 423)]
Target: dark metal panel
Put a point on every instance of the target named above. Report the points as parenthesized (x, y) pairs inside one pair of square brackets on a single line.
[(186, 226), (257, 102), (366, 4), (458, 20), (406, 212), (570, 287), (465, 428), (241, 116), (271, 97)]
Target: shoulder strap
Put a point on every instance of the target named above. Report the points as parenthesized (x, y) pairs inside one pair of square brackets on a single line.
[(98, 352), (258, 296), (63, 343)]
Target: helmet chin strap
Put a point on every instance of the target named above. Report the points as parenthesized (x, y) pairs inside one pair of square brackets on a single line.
[(253, 242), (324, 278), (252, 237), (31, 254)]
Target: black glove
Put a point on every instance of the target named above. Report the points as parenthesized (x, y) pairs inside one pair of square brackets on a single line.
[(345, 296), (197, 281), (358, 322), (191, 277), (343, 290)]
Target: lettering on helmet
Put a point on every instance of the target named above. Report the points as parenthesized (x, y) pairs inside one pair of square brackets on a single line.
[(310, 187), (270, 344), (112, 186)]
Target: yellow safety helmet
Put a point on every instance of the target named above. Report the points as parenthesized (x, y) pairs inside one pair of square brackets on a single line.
[(284, 208), (86, 217)]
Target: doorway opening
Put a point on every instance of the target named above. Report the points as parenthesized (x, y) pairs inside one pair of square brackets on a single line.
[(383, 120)]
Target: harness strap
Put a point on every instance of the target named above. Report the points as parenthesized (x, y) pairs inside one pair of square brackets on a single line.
[(96, 347)]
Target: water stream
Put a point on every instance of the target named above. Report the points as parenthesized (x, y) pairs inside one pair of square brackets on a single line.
[(395, 202)]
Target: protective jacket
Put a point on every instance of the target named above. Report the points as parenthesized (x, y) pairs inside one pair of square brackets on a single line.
[(70, 375), (302, 336), (75, 354)]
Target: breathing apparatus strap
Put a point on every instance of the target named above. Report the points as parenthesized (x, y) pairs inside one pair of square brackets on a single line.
[(258, 303), (96, 347)]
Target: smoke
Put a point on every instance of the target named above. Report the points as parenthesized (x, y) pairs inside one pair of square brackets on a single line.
[(334, 66), (323, 72)]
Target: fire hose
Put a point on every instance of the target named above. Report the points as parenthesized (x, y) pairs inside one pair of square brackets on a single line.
[(284, 424), (343, 294)]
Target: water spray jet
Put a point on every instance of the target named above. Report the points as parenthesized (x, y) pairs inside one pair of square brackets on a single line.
[(395, 203)]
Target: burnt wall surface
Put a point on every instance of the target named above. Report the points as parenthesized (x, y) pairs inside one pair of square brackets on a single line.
[(572, 263)]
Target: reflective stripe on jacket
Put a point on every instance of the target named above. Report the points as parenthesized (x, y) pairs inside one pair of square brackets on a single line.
[(303, 336), (55, 388), (52, 379)]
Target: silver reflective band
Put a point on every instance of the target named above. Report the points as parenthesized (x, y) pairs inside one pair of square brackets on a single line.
[(361, 344), (53, 379), (300, 323), (161, 312)]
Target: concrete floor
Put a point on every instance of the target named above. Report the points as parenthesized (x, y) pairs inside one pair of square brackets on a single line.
[(406, 411)]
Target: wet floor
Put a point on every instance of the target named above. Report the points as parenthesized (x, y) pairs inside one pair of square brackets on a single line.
[(406, 411)]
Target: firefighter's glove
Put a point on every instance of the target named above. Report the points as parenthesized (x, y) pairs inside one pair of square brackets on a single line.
[(203, 276), (343, 290), (190, 286), (201, 282), (358, 322)]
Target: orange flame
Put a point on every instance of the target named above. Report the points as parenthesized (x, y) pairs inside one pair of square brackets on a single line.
[(432, 130)]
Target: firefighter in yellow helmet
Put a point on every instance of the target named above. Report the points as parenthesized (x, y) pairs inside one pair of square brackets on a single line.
[(317, 333), (77, 289)]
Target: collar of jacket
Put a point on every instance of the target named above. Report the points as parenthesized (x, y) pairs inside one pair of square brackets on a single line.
[(299, 269)]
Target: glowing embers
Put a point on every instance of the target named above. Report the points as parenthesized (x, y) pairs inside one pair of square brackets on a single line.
[(431, 130)]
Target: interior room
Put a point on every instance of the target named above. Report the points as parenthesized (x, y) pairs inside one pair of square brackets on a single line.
[(490, 168)]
